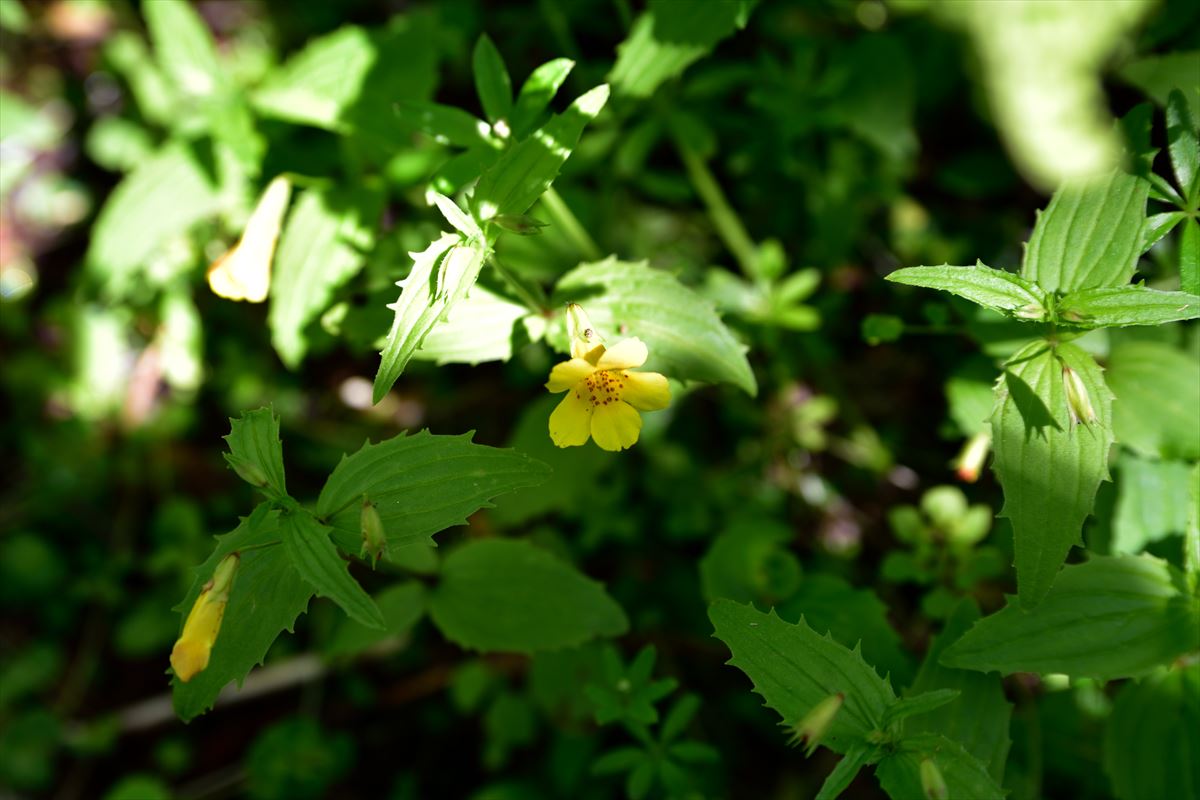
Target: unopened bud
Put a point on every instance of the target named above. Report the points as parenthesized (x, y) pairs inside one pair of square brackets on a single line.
[(374, 542), (248, 471), (969, 463), (584, 338), (521, 224), (191, 652), (932, 782), (1079, 402), (1032, 311), (816, 722)]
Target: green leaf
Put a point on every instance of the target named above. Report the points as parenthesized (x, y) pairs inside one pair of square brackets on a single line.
[(1152, 741), (917, 704), (402, 606), (979, 718), (503, 595), (324, 244), (1049, 467), (1111, 617), (846, 770), (256, 453), (1189, 257), (669, 37), (686, 338), (537, 92), (1152, 502), (447, 124), (1183, 142), (900, 773), (794, 669), (1090, 236), (441, 274), (1159, 225), (525, 171), (991, 288), (420, 485), (314, 556), (160, 200), (1126, 305), (459, 219), (491, 80), (267, 597), (1158, 75), (184, 46), (1157, 390), (480, 328), (750, 561)]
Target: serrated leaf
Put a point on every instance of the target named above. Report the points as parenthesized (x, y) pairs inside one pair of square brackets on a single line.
[(267, 597), (508, 596), (794, 669), (1152, 502), (325, 243), (1111, 617), (314, 556), (537, 92), (846, 770), (900, 773), (1126, 305), (1152, 740), (420, 485), (441, 275), (979, 719), (480, 328), (459, 219), (492, 83), (1183, 142), (402, 606), (1157, 390), (1090, 236), (256, 453), (669, 37), (1048, 466), (991, 288), (686, 338), (526, 170), (917, 704), (183, 45), (1189, 257)]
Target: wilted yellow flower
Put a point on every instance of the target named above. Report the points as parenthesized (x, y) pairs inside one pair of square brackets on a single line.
[(190, 654), (244, 273), (603, 394)]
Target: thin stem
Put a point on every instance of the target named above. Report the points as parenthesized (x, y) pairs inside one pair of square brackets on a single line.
[(570, 225), (729, 226), (531, 294)]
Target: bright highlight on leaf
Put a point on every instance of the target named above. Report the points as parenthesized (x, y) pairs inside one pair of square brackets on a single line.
[(191, 652), (244, 273)]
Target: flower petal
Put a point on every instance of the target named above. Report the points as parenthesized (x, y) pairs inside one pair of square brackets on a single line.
[(616, 426), (570, 423), (646, 391), (625, 354), (565, 375)]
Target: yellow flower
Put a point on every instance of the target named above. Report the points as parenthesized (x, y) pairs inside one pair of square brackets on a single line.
[(190, 655), (603, 394), (244, 273)]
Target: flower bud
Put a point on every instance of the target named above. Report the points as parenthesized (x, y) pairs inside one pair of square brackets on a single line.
[(1079, 402), (190, 654), (970, 461), (816, 722), (585, 341), (1031, 311), (374, 543), (932, 782)]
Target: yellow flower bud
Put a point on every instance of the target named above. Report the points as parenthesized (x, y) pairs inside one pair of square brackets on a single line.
[(816, 722), (374, 542), (190, 655), (932, 782), (1079, 402)]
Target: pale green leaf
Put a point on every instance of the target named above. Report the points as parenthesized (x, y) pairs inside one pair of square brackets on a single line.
[(794, 669), (992, 288), (1159, 225), (1189, 257), (480, 328), (267, 597), (324, 244), (1090, 236), (1049, 466), (492, 83), (1183, 142), (1126, 305), (1152, 740), (183, 45), (420, 485), (314, 556), (255, 451), (900, 773), (537, 92), (686, 338), (1111, 617), (1152, 502), (1157, 390), (509, 596), (128, 55), (402, 606), (1191, 537), (459, 219)]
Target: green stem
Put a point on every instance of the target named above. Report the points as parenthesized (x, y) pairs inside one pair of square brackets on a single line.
[(530, 293), (570, 226), (729, 226)]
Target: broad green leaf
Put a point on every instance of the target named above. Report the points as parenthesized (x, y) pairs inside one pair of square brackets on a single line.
[(992, 288), (183, 45), (979, 718), (256, 453), (1090, 236), (750, 561), (537, 92), (686, 338), (509, 596), (1189, 257), (846, 770), (267, 597), (1049, 466), (1157, 390), (1183, 142), (158, 201), (402, 606), (324, 244), (1111, 617), (1152, 741), (1126, 305), (480, 328), (492, 83), (669, 37), (314, 556), (447, 124), (900, 773), (441, 275), (794, 669), (1159, 75), (1152, 502), (421, 485), (526, 170), (918, 704)]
